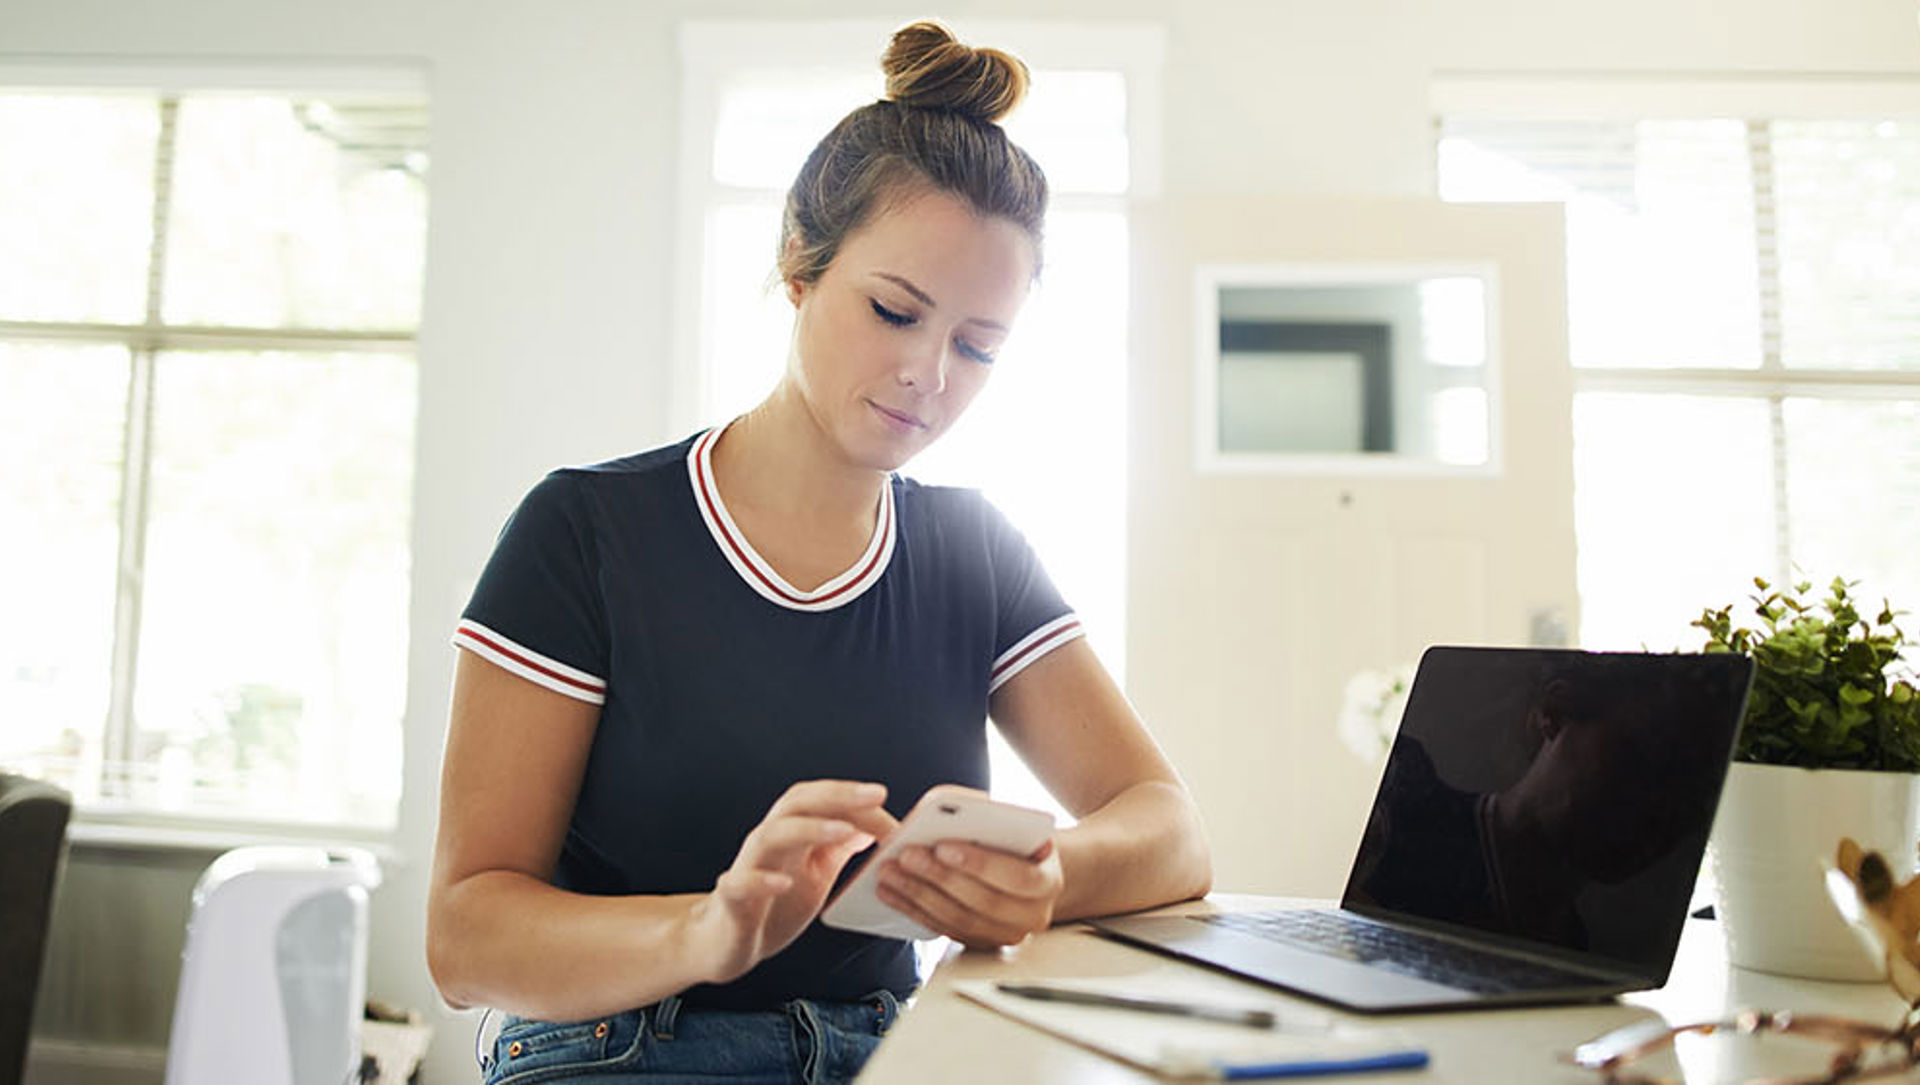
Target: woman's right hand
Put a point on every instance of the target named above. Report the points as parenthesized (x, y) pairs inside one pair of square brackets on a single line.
[(780, 878)]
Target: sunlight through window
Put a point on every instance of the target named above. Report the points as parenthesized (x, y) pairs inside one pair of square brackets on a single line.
[(1046, 441)]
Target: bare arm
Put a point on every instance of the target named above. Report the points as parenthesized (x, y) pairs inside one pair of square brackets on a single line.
[(498, 934), (1139, 841)]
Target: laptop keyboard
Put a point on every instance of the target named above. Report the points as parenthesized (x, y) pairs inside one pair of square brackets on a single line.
[(1406, 952)]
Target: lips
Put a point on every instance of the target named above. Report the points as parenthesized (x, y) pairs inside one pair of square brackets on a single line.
[(899, 418)]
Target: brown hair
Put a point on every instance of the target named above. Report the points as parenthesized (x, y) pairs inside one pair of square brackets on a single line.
[(935, 130)]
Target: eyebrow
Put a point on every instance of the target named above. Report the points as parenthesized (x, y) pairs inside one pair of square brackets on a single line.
[(925, 299)]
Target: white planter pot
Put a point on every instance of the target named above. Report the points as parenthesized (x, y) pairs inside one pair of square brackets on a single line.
[(1774, 826)]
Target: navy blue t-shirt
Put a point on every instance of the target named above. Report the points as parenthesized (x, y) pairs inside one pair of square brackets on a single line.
[(626, 584)]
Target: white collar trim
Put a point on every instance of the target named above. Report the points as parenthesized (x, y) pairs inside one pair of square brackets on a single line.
[(754, 569)]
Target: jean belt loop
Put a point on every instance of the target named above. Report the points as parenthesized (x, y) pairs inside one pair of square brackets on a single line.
[(483, 1041), (665, 1013), (887, 1011), (810, 1039)]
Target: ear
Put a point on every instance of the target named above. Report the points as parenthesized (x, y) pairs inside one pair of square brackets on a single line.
[(794, 287), (1550, 711)]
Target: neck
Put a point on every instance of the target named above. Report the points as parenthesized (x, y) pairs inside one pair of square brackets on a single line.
[(1532, 863), (778, 460)]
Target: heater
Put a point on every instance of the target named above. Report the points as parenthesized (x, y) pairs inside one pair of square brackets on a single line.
[(273, 979)]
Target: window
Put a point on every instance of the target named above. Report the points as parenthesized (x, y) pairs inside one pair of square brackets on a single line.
[(1047, 439), (1744, 291), (207, 313)]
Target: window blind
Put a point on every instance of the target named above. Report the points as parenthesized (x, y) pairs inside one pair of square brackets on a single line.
[(1718, 242)]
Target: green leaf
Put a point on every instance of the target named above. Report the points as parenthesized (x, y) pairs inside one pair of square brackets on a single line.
[(1829, 688)]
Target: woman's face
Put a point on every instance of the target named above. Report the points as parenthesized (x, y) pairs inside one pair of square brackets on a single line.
[(897, 336)]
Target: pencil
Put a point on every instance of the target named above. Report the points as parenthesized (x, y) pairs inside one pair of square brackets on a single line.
[(1043, 992)]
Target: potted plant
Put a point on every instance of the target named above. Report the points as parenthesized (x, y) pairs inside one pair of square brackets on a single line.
[(1830, 747)]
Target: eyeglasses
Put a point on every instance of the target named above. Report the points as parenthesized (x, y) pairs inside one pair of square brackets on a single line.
[(1862, 1051)]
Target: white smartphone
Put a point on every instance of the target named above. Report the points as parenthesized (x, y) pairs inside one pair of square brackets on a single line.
[(945, 812)]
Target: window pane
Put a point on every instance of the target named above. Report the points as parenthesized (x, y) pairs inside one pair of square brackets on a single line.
[(281, 218), (1060, 354), (1075, 125), (1661, 264), (770, 120), (61, 422), (1853, 494), (1458, 420), (1673, 510), (273, 641), (1849, 238), (76, 206), (748, 319)]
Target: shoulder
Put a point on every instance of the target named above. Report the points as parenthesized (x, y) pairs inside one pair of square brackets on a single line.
[(588, 487), (668, 460), (946, 506)]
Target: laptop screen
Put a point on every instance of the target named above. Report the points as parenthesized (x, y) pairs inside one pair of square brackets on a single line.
[(1559, 797)]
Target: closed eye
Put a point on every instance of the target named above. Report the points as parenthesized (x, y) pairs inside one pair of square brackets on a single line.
[(906, 320), (898, 320), (971, 351)]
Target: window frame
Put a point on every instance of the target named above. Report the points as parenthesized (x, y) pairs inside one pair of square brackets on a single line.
[(713, 51), (1756, 101), (114, 818)]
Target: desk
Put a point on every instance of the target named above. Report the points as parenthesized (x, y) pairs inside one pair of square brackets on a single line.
[(945, 1038)]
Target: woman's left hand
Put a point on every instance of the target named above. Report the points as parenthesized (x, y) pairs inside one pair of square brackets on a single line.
[(977, 896)]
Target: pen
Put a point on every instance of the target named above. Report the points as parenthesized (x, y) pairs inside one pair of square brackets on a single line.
[(1042, 992)]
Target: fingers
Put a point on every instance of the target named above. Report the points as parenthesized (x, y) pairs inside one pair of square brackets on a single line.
[(874, 821), (934, 908), (1017, 875), (843, 815), (828, 797), (852, 801), (972, 893), (779, 841)]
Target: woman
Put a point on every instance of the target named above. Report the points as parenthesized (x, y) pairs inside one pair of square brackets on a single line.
[(697, 681)]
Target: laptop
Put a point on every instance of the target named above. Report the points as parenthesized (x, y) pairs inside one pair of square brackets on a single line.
[(1534, 839)]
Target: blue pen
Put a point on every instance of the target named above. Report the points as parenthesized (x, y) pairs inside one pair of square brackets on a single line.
[(1392, 1060)]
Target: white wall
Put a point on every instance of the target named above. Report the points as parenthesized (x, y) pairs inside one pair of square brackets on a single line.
[(549, 289)]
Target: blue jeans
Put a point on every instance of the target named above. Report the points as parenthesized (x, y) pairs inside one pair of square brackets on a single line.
[(669, 1043)]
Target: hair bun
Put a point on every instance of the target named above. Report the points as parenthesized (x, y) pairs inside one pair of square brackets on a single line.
[(929, 68)]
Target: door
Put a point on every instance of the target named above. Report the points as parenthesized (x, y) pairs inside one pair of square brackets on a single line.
[(1254, 598)]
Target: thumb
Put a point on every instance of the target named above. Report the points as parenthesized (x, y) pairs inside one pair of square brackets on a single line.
[(738, 888), (853, 846)]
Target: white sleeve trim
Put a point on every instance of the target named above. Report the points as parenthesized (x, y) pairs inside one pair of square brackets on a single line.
[(1033, 646), (531, 665)]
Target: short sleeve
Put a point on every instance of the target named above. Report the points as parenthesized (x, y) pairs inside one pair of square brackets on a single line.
[(536, 611), (1031, 617)]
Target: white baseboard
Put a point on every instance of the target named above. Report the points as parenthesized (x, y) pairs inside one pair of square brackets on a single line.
[(73, 1062)]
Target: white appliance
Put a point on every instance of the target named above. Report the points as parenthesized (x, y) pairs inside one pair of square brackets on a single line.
[(273, 980)]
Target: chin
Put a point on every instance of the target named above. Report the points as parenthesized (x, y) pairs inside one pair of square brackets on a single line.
[(885, 452), (882, 456), (895, 461)]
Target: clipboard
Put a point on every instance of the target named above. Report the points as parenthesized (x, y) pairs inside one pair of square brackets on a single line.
[(1306, 1043)]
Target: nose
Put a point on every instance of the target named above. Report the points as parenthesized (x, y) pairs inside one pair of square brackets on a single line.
[(924, 369)]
